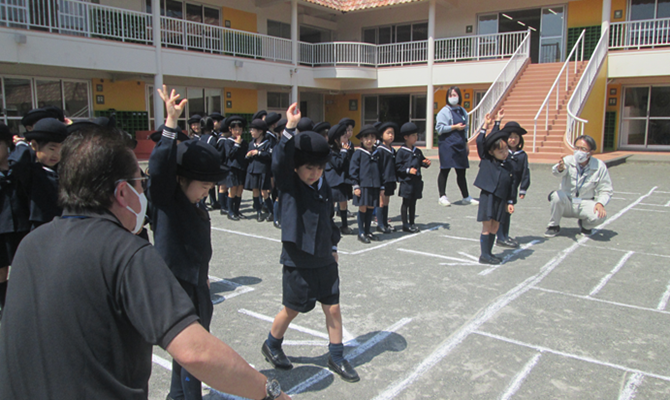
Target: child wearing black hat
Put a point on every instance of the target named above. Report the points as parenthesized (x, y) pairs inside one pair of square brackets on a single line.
[(408, 163), (194, 126), (365, 174), (386, 154), (309, 244), (336, 171), (496, 180), (236, 153), (34, 165), (322, 128), (259, 158), (350, 124), (181, 176), (209, 135), (224, 134), (519, 160)]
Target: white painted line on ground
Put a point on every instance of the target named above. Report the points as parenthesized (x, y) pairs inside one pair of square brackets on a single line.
[(318, 377), (509, 257), (664, 299), (631, 192), (659, 191), (644, 209), (476, 259), (470, 264), (291, 326), (520, 377), (613, 303), (247, 234), (239, 289), (348, 338), (395, 241), (609, 276), (630, 390), (653, 205), (435, 255), (317, 343), (491, 310), (461, 238), (667, 204), (625, 251), (618, 198), (573, 356), (162, 362)]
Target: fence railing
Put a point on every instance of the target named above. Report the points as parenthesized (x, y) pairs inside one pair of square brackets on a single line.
[(402, 53), (639, 34), (577, 53), (338, 53), (575, 125), (499, 86), (478, 47)]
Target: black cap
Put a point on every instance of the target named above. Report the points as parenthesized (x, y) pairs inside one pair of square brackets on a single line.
[(281, 124), (259, 114), (236, 119), (6, 134), (259, 124), (386, 125), (377, 124), (408, 128), (105, 121), (493, 137), (49, 129), (35, 115), (347, 121), (321, 126), (272, 118), (195, 118), (216, 116), (305, 124), (156, 136), (335, 132), (99, 121), (311, 148), (224, 125), (514, 127), (367, 130), (199, 161)]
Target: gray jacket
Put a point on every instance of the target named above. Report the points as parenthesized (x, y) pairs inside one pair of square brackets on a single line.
[(594, 182)]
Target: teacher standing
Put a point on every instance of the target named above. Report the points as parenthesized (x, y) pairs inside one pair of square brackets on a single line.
[(452, 128)]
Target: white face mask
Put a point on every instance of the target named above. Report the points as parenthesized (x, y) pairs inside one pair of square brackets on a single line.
[(453, 100), (581, 156), (139, 217)]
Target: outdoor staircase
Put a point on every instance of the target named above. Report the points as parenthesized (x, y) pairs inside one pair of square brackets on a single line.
[(524, 99)]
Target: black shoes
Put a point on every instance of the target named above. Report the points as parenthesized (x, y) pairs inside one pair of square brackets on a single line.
[(270, 217), (363, 238), (233, 217), (345, 230), (585, 232), (410, 229), (372, 237), (508, 242), (386, 229), (241, 216), (552, 231), (344, 369), (277, 224), (279, 360), (489, 259)]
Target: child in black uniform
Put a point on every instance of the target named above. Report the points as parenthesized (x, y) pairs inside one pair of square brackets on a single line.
[(309, 244), (519, 160), (236, 153), (496, 180), (259, 157), (181, 176), (365, 174), (386, 154), (221, 145), (336, 172), (408, 163), (350, 124), (34, 166), (209, 135)]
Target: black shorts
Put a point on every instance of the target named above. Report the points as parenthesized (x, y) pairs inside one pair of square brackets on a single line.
[(303, 287)]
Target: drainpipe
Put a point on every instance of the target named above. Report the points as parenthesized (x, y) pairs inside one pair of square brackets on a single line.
[(294, 53), (430, 94), (158, 78)]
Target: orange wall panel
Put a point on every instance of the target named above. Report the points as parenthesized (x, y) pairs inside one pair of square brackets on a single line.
[(120, 95), (243, 101), (241, 20), (337, 107), (585, 13)]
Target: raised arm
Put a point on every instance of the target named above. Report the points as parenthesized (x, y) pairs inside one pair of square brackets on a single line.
[(283, 164)]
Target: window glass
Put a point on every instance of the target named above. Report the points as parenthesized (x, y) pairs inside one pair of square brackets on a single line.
[(2, 103), (659, 132), (49, 94), (212, 16), (636, 102), (634, 131), (174, 9), (76, 99), (552, 21), (660, 102), (488, 24), (663, 9), (385, 35), (278, 100), (420, 31), (642, 9), (370, 106), (370, 35), (196, 102), (193, 12), (213, 100), (279, 29), (403, 33)]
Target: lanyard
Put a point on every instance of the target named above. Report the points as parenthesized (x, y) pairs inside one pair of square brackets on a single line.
[(579, 175)]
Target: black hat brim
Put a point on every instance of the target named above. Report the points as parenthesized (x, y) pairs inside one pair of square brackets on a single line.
[(203, 176)]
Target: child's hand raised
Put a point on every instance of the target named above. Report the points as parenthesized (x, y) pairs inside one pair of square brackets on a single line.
[(173, 108), (292, 116), (500, 115), (487, 121)]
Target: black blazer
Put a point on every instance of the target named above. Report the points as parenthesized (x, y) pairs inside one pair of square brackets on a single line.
[(14, 210), (337, 167), (261, 162), (236, 154), (306, 211), (365, 170), (494, 176), (405, 159), (387, 163), (519, 161)]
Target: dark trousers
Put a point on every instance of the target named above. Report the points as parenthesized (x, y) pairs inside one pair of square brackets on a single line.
[(460, 179)]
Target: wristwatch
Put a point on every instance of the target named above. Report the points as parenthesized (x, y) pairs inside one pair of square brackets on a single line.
[(272, 390)]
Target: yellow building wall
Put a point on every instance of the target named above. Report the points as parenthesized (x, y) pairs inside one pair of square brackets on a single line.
[(337, 107), (614, 97), (119, 95), (242, 101), (619, 5), (241, 20), (585, 13), (468, 99), (594, 109)]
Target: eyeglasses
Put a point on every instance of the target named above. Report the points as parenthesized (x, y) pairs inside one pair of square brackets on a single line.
[(143, 179)]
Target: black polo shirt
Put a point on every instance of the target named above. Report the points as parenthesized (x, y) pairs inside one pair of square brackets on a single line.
[(87, 301)]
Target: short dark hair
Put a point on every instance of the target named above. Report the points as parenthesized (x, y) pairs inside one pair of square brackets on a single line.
[(458, 92), (588, 139), (93, 160), (497, 145)]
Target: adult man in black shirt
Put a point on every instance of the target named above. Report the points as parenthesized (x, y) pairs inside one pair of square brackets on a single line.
[(88, 299)]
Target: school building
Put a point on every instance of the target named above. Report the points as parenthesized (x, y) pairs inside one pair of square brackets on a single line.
[(559, 68)]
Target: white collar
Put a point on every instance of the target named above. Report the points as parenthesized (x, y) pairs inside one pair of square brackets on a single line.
[(383, 146), (362, 149), (407, 148)]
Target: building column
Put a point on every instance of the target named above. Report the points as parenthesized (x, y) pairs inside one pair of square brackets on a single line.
[(607, 12), (159, 116), (294, 53), (430, 93)]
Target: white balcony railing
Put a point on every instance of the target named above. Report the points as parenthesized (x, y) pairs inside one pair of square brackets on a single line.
[(499, 86), (402, 53), (338, 53), (478, 47), (639, 34), (575, 125)]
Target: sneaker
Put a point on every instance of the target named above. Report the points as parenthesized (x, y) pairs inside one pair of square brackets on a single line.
[(552, 231), (444, 201), (469, 200)]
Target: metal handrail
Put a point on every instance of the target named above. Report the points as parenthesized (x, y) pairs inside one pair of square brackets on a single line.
[(583, 88), (545, 103), (499, 85), (639, 33)]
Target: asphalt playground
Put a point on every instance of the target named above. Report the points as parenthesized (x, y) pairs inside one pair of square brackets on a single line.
[(570, 317)]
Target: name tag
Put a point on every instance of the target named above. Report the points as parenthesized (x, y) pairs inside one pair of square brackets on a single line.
[(576, 200)]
